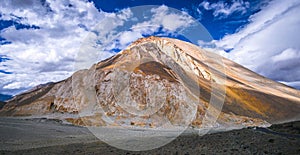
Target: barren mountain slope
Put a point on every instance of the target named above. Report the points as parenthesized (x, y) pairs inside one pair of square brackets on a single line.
[(160, 82)]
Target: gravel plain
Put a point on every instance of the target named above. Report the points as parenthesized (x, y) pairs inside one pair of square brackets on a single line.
[(43, 136)]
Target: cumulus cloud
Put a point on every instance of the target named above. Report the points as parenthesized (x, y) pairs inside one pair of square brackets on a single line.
[(286, 55), (269, 44), (129, 36), (223, 9), (170, 21), (67, 35), (162, 18), (48, 52)]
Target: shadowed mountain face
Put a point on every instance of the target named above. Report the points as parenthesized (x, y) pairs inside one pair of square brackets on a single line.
[(2, 104), (160, 82)]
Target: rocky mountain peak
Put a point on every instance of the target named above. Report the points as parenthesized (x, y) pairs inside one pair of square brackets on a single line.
[(161, 82)]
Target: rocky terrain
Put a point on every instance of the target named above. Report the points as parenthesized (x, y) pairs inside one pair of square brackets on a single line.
[(161, 83), (146, 96), (42, 136)]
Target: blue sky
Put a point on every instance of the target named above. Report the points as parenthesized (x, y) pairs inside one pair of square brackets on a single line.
[(43, 41)]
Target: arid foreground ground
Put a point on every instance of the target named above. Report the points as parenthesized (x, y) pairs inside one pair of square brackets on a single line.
[(42, 136)]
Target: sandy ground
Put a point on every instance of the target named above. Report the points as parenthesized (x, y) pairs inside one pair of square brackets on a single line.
[(42, 136)]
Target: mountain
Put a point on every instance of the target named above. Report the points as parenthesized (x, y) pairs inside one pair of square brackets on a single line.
[(2, 104), (4, 97), (162, 82)]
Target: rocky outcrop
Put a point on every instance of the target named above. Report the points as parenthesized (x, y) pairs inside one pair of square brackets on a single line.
[(161, 82)]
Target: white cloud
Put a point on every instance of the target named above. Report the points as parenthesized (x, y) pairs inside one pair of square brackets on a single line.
[(223, 9), (286, 55), (129, 36), (170, 21), (269, 44), (15, 85), (71, 35), (49, 52)]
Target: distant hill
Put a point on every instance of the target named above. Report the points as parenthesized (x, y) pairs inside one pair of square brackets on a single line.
[(2, 104), (4, 97)]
